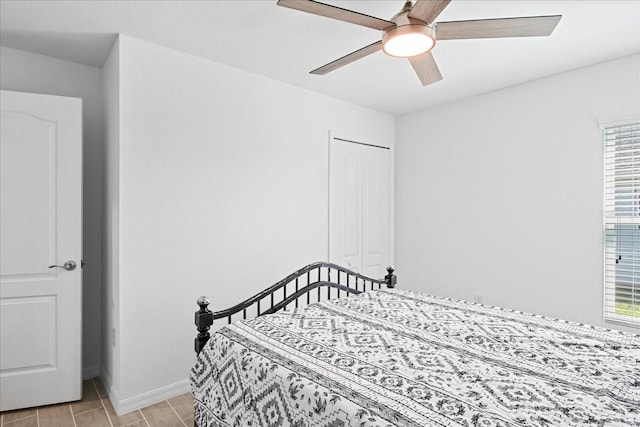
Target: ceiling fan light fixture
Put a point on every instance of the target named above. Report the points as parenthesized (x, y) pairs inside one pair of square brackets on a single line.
[(408, 40)]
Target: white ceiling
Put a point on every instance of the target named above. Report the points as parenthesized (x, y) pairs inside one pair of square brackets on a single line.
[(284, 44)]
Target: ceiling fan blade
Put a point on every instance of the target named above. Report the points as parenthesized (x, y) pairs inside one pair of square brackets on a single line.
[(528, 26), (428, 10), (338, 13), (347, 59), (426, 68)]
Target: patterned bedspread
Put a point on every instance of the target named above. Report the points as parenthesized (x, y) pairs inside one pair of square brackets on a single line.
[(401, 358)]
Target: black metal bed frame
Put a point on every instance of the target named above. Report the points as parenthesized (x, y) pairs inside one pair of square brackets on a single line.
[(313, 276)]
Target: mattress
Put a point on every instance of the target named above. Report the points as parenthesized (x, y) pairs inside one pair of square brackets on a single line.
[(401, 358)]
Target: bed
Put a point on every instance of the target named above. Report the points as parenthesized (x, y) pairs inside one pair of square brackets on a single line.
[(390, 357)]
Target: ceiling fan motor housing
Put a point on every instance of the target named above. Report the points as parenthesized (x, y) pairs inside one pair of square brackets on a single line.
[(424, 34)]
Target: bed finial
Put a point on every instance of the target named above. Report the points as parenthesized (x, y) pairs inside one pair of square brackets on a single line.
[(390, 278), (203, 321)]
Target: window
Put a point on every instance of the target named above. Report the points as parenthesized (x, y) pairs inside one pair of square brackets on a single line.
[(622, 223)]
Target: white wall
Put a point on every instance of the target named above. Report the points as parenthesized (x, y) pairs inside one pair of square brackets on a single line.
[(27, 72), (500, 195), (110, 301), (223, 189)]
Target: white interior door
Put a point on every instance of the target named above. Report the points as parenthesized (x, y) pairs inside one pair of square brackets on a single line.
[(359, 206), (41, 226)]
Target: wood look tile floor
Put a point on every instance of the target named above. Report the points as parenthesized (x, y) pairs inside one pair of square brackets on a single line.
[(95, 410)]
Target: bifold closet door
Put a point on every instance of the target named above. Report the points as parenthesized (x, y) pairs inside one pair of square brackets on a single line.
[(359, 206)]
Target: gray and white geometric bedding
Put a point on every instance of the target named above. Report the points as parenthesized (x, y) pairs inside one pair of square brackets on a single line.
[(402, 358)]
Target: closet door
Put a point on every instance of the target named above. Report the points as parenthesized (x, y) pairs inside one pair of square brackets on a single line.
[(359, 206)]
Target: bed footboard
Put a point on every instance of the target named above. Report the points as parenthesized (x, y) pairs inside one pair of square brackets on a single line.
[(290, 291)]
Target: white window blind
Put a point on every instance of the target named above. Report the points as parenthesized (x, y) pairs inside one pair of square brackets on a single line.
[(622, 223)]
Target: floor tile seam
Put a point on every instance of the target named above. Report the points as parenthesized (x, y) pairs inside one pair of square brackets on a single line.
[(91, 410), (96, 386), (144, 418), (102, 403), (12, 423), (17, 419), (88, 410), (175, 412), (61, 405), (72, 416), (37, 417)]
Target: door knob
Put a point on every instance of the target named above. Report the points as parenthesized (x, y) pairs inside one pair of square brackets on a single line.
[(69, 266)]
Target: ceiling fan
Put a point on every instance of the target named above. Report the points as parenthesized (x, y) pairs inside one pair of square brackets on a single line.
[(412, 32)]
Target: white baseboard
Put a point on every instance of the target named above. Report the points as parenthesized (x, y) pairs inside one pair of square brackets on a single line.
[(145, 399), (108, 385), (90, 372)]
